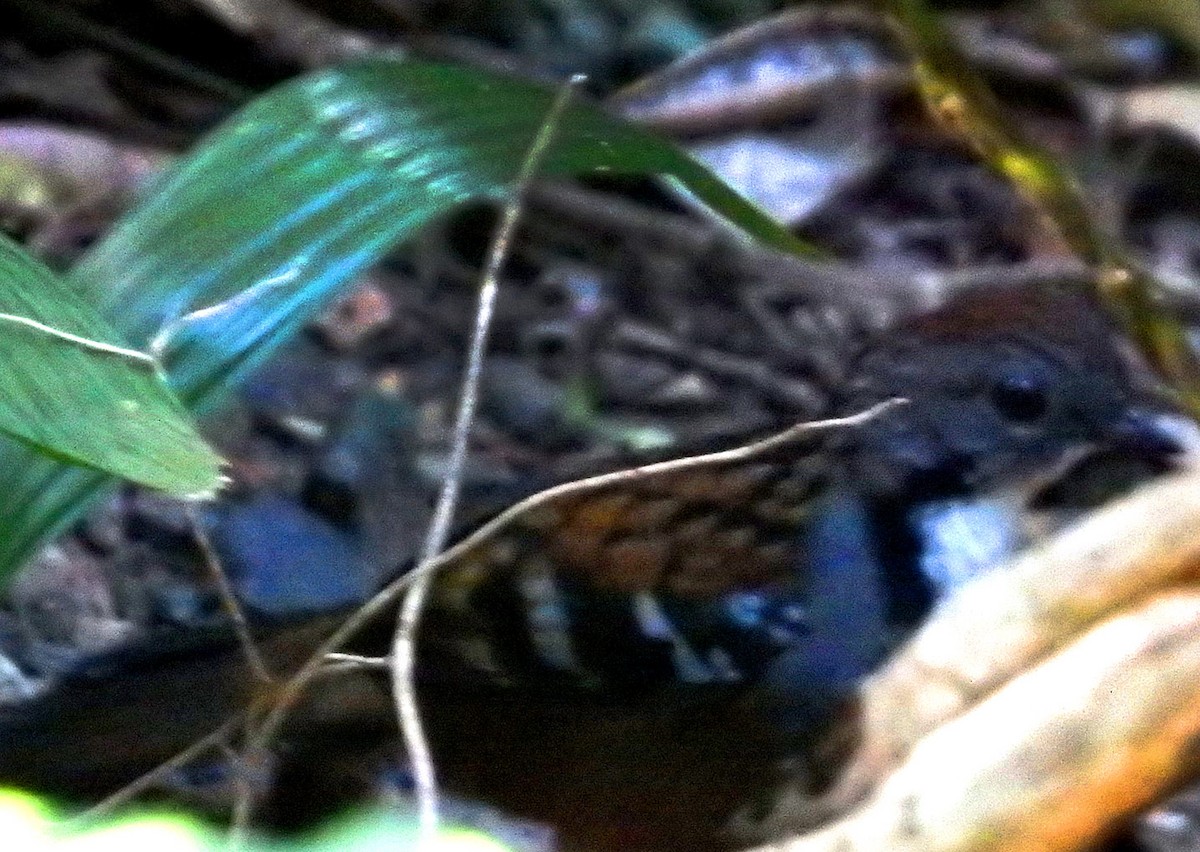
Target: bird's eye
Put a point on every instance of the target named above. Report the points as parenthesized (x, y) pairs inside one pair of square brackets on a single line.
[(1020, 399)]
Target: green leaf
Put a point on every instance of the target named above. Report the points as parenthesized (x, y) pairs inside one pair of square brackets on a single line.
[(277, 210), (28, 822), (70, 389)]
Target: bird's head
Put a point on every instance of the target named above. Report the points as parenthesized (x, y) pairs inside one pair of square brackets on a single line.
[(1001, 383)]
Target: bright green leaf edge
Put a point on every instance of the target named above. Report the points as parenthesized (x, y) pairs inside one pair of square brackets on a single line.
[(283, 205), (30, 824), (83, 398)]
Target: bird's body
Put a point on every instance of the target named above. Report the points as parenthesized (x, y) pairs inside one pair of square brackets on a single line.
[(827, 550)]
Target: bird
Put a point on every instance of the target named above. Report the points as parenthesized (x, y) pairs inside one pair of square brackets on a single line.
[(649, 605), (830, 548)]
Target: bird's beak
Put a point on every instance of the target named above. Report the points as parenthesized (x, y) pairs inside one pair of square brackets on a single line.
[(1145, 441), (1155, 433)]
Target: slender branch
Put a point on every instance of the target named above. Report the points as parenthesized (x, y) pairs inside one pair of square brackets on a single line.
[(355, 662), (404, 642)]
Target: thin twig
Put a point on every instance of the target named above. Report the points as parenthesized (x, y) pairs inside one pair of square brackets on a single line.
[(404, 641), (243, 791), (243, 794), (241, 625), (105, 807), (288, 693), (351, 662)]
